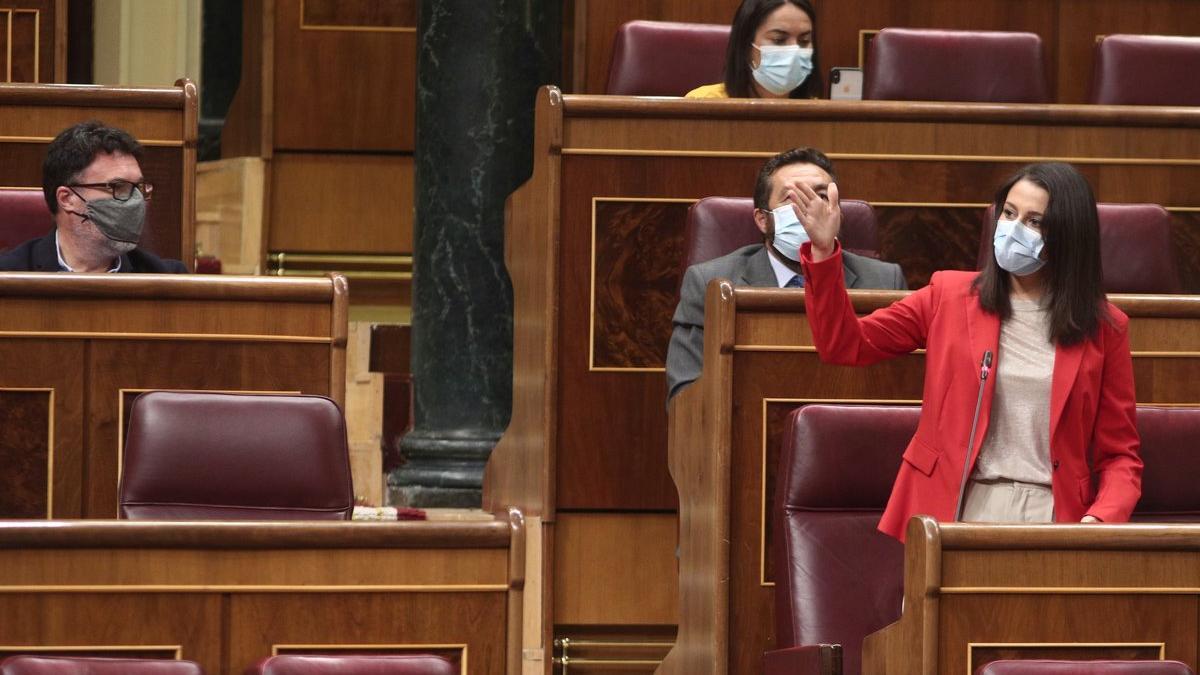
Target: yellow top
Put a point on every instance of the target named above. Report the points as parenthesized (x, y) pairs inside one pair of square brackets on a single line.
[(709, 91)]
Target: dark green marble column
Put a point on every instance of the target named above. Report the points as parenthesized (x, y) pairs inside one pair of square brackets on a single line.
[(479, 65)]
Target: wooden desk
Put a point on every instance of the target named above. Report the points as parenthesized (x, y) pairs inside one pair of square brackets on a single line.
[(724, 439), (227, 594), (76, 349), (163, 120), (974, 594)]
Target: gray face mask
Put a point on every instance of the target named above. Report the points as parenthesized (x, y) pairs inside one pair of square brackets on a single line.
[(120, 221)]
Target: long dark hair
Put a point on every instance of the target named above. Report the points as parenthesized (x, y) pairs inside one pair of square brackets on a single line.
[(1074, 278), (747, 19)]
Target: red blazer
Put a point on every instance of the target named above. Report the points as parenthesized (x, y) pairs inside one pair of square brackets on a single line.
[(1092, 400)]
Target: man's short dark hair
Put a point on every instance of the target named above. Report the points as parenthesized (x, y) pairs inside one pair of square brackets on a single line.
[(762, 188), (75, 148)]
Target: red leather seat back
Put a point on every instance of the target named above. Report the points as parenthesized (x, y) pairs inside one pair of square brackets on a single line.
[(23, 216), (916, 64), (79, 665), (1146, 70), (837, 577), (1169, 450), (664, 58), (719, 225), (1049, 667), (354, 665), (1135, 248), (210, 456)]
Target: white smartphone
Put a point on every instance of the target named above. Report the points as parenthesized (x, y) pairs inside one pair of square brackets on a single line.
[(846, 84)]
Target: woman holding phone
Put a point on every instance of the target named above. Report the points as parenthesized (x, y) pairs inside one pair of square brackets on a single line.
[(1028, 402)]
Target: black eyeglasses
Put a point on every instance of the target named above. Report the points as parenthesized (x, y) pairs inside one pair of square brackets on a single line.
[(121, 190)]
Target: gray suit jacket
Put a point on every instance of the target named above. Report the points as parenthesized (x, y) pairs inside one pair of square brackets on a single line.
[(747, 266)]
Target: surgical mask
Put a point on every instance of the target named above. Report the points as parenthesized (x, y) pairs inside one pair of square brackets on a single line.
[(782, 68), (1018, 248), (120, 221), (789, 233)]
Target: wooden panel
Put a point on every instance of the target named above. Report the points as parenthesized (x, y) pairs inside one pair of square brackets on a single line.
[(26, 439), (364, 73), (109, 336), (358, 14), (615, 569), (38, 49), (341, 203), (228, 594)]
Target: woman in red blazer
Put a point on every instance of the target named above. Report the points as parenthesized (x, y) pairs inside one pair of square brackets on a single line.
[(1047, 256)]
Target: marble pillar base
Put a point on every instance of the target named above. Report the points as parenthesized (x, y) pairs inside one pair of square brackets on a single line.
[(441, 469)]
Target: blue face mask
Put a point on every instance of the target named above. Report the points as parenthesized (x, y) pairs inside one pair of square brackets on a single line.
[(789, 233), (1018, 248), (782, 68)]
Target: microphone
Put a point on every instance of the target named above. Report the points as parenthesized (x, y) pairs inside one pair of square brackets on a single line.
[(984, 367)]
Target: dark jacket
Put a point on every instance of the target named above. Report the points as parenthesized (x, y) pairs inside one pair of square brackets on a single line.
[(39, 255)]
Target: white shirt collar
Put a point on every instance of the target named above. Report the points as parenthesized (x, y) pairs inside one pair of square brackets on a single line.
[(62, 263), (782, 273)]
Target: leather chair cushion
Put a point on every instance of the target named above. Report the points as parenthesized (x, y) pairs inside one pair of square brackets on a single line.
[(1135, 248), (1146, 70), (23, 216), (1169, 450), (719, 225), (1048, 667), (62, 665), (663, 58), (354, 665), (206, 455), (837, 577), (911, 64)]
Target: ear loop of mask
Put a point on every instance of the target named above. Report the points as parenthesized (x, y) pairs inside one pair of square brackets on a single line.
[(83, 216)]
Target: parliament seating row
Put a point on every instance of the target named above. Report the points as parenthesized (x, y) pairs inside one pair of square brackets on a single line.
[(839, 579), (1135, 239), (272, 665), (660, 58)]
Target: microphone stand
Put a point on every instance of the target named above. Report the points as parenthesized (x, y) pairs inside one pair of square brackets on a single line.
[(986, 365)]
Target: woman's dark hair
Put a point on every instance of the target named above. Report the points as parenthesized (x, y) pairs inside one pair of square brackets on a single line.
[(749, 16), (1071, 231)]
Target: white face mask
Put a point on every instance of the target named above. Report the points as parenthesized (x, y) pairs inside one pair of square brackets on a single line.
[(782, 68), (789, 233), (1018, 248)]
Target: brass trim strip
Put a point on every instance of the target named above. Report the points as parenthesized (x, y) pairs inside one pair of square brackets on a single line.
[(861, 156), (1162, 647), (203, 337), (177, 649), (609, 644), (1069, 590), (349, 274), (572, 661), (461, 647), (352, 28), (47, 139), (26, 188), (283, 257), (49, 448), (627, 369), (762, 488), (255, 588), (9, 46), (931, 205)]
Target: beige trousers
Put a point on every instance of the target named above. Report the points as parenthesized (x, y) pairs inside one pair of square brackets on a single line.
[(1006, 501)]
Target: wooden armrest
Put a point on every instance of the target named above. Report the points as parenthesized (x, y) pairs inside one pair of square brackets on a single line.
[(804, 660)]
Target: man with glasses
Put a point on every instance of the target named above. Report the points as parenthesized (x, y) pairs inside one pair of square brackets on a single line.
[(93, 183)]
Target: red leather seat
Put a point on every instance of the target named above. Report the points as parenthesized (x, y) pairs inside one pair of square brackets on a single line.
[(80, 665), (1048, 667), (1146, 70), (210, 456), (1135, 248), (1169, 450), (719, 225), (915, 64), (837, 577), (23, 216), (354, 665), (663, 58)]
